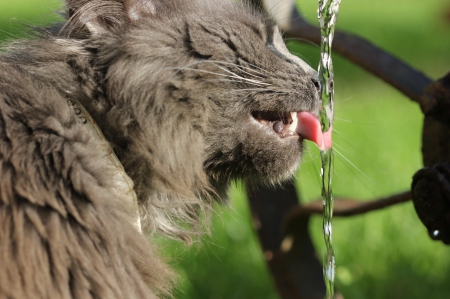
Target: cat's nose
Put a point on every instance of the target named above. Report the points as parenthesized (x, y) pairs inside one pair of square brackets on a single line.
[(315, 81)]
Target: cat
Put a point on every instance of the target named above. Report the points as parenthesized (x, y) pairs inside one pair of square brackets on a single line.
[(190, 95)]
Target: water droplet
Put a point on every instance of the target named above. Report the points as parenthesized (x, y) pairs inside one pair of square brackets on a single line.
[(328, 229), (329, 271)]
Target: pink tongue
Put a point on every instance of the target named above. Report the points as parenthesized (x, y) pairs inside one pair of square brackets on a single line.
[(309, 127)]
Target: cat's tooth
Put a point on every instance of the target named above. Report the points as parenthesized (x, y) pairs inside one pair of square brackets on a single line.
[(259, 117), (293, 126)]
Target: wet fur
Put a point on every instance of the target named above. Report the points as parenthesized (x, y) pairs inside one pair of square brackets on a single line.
[(153, 76)]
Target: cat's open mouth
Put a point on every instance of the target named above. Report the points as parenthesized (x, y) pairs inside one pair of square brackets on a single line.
[(283, 123), (291, 124)]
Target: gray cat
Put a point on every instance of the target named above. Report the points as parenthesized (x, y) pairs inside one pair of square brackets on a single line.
[(190, 95)]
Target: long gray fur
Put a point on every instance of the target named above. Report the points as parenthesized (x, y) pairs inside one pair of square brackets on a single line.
[(172, 84)]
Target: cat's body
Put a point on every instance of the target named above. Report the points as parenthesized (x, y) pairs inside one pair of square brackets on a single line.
[(191, 95)]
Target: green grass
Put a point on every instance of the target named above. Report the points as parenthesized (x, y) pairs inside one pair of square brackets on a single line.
[(385, 254), (227, 264), (15, 14)]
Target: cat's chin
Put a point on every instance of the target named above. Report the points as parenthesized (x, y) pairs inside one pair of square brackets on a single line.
[(276, 154)]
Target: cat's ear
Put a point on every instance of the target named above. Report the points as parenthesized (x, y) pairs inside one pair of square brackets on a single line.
[(98, 16)]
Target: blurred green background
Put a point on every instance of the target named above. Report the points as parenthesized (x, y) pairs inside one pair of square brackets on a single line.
[(385, 254)]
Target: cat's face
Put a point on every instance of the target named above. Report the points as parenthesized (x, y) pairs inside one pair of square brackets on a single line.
[(224, 72), (252, 132)]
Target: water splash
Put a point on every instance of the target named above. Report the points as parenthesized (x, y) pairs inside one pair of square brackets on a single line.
[(328, 11)]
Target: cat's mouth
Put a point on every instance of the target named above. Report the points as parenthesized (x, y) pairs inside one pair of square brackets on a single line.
[(283, 123), (295, 124)]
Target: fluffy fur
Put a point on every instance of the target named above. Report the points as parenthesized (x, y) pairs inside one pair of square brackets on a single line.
[(173, 85)]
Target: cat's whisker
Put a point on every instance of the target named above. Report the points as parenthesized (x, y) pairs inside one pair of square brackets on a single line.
[(229, 63), (242, 78), (344, 149), (355, 156), (302, 40), (241, 69), (222, 80), (255, 66), (253, 70), (363, 182), (249, 89), (230, 80), (224, 69), (303, 57), (315, 160), (345, 100), (237, 66), (350, 144), (242, 90), (9, 35), (343, 120), (265, 90), (262, 72), (354, 166), (253, 90)]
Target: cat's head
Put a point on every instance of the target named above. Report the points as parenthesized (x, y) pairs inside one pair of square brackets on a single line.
[(201, 87)]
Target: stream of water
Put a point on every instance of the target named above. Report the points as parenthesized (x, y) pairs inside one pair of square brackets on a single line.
[(328, 11)]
